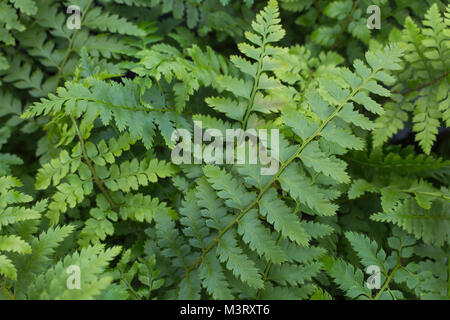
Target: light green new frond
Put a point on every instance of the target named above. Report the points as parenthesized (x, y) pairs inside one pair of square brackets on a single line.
[(139, 207), (238, 87), (395, 188), (413, 42), (447, 18), (379, 61), (100, 154), (16, 214), (425, 193), (12, 196), (90, 121), (207, 64)]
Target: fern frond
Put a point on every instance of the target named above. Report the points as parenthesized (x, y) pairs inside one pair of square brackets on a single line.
[(432, 226), (92, 261)]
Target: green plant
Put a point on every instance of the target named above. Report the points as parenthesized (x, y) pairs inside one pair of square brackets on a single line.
[(100, 191), (424, 86)]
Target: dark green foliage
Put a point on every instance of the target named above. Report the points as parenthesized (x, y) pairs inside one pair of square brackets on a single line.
[(87, 119)]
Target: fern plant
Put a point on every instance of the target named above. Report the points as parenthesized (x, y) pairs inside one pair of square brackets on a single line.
[(26, 262), (426, 95), (89, 121)]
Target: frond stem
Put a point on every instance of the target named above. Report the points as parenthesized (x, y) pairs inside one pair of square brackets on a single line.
[(386, 284)]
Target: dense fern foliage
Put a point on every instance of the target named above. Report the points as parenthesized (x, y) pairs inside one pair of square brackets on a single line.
[(358, 123)]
